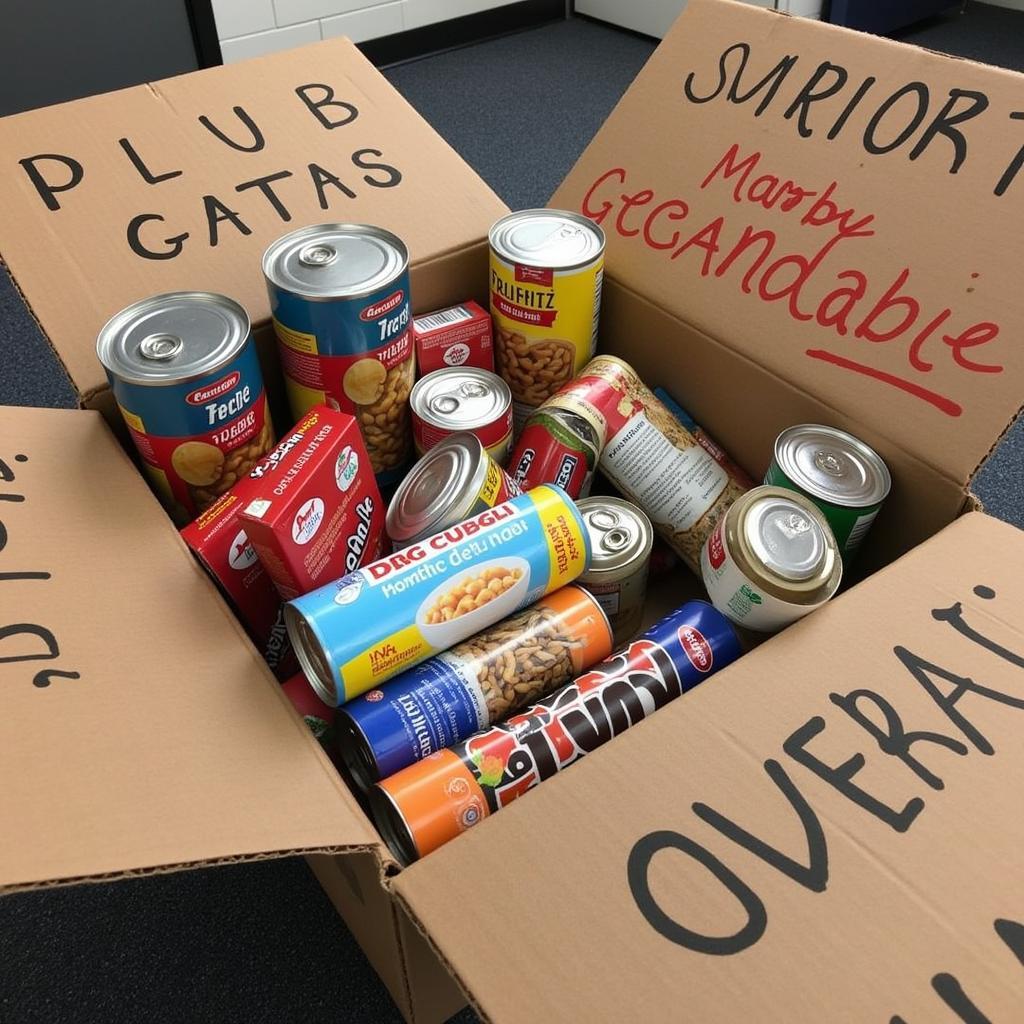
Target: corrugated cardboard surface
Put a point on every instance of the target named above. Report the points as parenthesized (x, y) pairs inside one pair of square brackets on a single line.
[(878, 921), (139, 728), (189, 154), (855, 211)]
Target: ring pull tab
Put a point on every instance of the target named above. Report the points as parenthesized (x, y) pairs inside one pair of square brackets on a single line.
[(160, 347), (318, 255), (445, 404), (615, 540), (828, 462), (473, 389)]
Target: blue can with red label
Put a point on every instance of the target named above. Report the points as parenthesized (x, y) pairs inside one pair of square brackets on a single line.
[(184, 371), (339, 296)]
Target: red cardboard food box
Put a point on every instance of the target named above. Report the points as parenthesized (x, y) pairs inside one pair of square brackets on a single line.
[(218, 539), (461, 335), (314, 511)]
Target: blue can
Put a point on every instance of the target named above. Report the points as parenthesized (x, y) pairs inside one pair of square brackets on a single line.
[(475, 684), (184, 371), (339, 296)]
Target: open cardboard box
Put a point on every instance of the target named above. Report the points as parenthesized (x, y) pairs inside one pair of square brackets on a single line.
[(831, 827)]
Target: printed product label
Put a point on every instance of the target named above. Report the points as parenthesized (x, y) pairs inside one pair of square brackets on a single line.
[(545, 327), (675, 487), (356, 356), (495, 436), (197, 440), (399, 610), (460, 336), (548, 452), (737, 596)]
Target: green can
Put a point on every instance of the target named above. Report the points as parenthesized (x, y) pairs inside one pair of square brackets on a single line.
[(842, 475)]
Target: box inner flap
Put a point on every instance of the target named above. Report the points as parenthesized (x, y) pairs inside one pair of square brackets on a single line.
[(647, 904), (854, 242), (140, 728), (323, 131)]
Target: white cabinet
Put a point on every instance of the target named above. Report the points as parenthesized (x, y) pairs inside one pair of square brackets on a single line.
[(653, 17)]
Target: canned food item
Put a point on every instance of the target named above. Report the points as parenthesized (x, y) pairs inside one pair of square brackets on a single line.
[(557, 446), (458, 336), (546, 272), (455, 480), (462, 398), (394, 613), (425, 805), (621, 538), (844, 477), (317, 715), (339, 295), (704, 439), (315, 511), (771, 560), (651, 457), (184, 372), (475, 684)]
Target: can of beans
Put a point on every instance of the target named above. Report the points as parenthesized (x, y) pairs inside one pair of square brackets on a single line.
[(455, 480), (423, 806), (339, 295), (475, 684), (651, 457), (361, 630), (621, 538), (844, 477), (546, 272), (184, 371), (462, 398), (772, 560)]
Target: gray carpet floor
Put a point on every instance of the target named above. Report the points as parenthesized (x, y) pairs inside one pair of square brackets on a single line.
[(259, 942)]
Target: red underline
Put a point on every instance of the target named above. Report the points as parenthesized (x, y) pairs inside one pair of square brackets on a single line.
[(946, 405)]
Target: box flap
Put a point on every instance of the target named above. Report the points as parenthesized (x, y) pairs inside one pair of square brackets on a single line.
[(182, 184), (750, 852), (838, 207), (139, 730)]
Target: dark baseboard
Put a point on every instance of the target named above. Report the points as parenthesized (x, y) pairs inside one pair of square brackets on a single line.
[(448, 35)]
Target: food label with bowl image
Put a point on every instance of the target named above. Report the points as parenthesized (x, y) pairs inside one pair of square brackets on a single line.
[(394, 613)]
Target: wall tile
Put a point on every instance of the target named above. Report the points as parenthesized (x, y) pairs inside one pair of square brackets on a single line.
[(371, 23), (242, 17), (269, 42)]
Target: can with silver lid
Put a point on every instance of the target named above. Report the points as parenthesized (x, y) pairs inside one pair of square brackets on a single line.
[(546, 272), (339, 295), (771, 560), (462, 398), (621, 538), (184, 371), (844, 477), (454, 481)]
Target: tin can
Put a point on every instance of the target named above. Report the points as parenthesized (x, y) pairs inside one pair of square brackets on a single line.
[(546, 272), (462, 398), (651, 458), (772, 560), (339, 295), (557, 446), (184, 372), (844, 477), (314, 511), (425, 805), (457, 479), (475, 684), (371, 624), (621, 538), (457, 336), (317, 715)]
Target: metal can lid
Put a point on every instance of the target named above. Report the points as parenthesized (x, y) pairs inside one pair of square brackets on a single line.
[(392, 826), (335, 261), (786, 536), (555, 239), (621, 536), (310, 653), (439, 490), (170, 338), (460, 398), (832, 465)]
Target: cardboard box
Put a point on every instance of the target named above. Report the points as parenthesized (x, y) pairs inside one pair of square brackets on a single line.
[(828, 829)]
